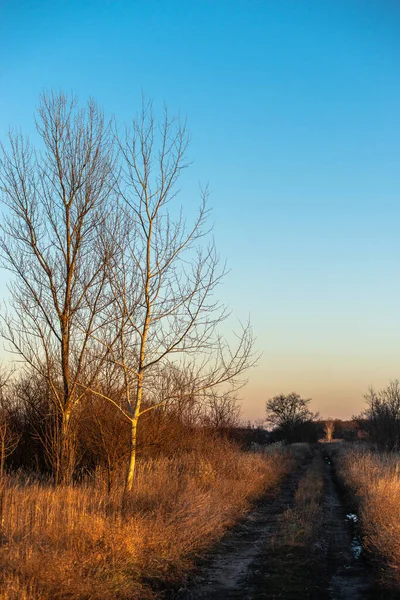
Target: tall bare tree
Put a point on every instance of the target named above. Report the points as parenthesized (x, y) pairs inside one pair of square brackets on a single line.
[(163, 281), (56, 200)]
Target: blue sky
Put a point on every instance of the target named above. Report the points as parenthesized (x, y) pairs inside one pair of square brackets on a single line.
[(293, 108)]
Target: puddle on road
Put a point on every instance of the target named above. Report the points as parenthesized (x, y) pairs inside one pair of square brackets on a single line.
[(352, 517), (356, 546)]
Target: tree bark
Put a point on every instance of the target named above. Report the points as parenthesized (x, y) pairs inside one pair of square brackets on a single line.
[(132, 456)]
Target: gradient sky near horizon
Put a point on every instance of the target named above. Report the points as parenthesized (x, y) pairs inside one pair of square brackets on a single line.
[(293, 106)]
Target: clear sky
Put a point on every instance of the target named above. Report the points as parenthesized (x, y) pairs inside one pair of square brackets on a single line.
[(294, 112)]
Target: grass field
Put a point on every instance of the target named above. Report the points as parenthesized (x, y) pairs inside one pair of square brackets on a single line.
[(80, 542)]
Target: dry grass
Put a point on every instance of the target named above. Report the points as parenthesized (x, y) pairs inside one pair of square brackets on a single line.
[(79, 542), (291, 564), (374, 481), (301, 522)]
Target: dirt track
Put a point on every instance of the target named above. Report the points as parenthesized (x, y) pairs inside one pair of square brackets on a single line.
[(349, 578), (244, 566)]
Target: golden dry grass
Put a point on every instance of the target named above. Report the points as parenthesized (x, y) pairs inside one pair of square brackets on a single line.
[(80, 543), (374, 480), (301, 522), (291, 561)]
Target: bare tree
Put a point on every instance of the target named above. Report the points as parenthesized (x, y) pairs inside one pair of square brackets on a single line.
[(163, 281), (290, 416), (329, 428), (382, 416), (56, 201)]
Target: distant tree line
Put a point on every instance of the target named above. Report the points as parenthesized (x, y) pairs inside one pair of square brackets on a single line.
[(291, 421)]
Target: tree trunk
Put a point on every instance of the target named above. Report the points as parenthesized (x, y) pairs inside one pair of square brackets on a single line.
[(132, 456), (65, 462)]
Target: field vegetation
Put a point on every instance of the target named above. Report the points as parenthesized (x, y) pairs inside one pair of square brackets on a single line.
[(80, 541)]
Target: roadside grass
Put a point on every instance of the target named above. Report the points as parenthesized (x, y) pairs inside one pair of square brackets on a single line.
[(79, 542), (373, 480), (291, 558)]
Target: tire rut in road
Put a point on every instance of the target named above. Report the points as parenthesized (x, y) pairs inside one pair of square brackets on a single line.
[(349, 575)]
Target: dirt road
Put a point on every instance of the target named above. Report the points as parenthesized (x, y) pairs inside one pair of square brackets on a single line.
[(349, 576), (252, 562)]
